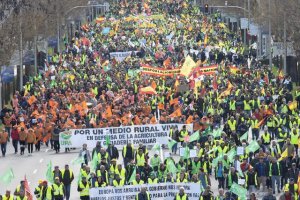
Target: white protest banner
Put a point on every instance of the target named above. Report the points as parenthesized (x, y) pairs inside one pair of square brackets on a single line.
[(120, 56), (119, 136), (166, 191)]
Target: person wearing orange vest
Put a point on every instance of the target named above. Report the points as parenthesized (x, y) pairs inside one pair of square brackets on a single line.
[(3, 141), (31, 138)]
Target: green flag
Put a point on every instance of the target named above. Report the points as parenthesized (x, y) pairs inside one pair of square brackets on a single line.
[(217, 133), (133, 175), (49, 175), (108, 79), (171, 143), (156, 147), (94, 162), (77, 161), (106, 68), (244, 137), (240, 191), (79, 177), (231, 154), (195, 136), (253, 146), (171, 167), (186, 153), (7, 177), (107, 140), (207, 131)]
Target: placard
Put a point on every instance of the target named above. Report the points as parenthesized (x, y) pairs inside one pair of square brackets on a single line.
[(150, 134)]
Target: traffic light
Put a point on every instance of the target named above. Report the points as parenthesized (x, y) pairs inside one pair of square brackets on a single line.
[(206, 8)]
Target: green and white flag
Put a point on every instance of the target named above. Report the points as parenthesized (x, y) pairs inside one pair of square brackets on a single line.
[(7, 177), (194, 137)]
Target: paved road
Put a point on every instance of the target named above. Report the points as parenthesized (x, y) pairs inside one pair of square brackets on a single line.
[(35, 166)]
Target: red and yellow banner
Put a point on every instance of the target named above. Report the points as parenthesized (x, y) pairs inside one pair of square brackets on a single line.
[(209, 70), (146, 69)]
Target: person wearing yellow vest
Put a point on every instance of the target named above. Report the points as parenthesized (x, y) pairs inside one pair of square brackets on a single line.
[(169, 178), (182, 134), (182, 178), (7, 196), (128, 153), (58, 189), (121, 171), (181, 195), (294, 135), (292, 187), (271, 126), (232, 106), (266, 138), (112, 168), (118, 181), (100, 182), (282, 136), (67, 176), (22, 196), (20, 188), (84, 189), (247, 106), (232, 124), (46, 192), (254, 125), (38, 190), (152, 179), (275, 149), (103, 173), (140, 160), (138, 180), (143, 194)]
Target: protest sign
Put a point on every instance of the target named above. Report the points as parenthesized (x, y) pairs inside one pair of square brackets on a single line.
[(119, 136), (120, 56), (166, 191), (146, 69)]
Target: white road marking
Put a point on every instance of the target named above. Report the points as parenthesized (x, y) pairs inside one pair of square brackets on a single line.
[(35, 171), (41, 160)]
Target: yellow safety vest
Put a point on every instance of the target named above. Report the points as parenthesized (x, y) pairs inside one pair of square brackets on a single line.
[(181, 181), (140, 160), (294, 138), (181, 198), (232, 125), (85, 189), (121, 183), (150, 181), (121, 173), (7, 198), (254, 123), (247, 106), (134, 182), (63, 173), (267, 138), (58, 190)]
